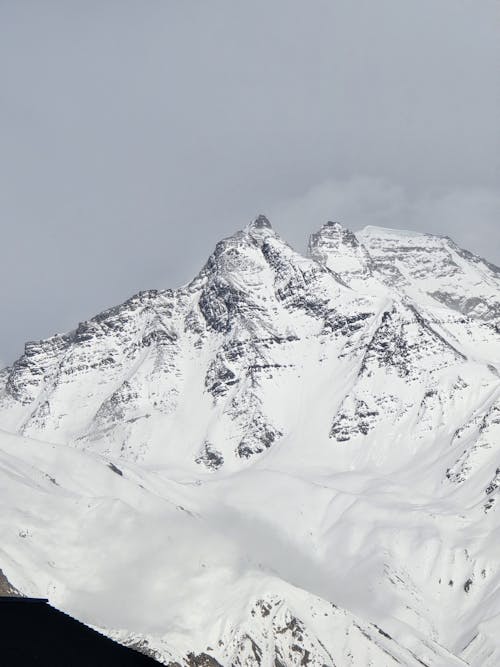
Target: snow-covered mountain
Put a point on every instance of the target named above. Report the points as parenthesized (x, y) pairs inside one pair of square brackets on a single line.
[(292, 460)]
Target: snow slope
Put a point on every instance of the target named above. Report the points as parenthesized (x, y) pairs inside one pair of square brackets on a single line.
[(291, 460)]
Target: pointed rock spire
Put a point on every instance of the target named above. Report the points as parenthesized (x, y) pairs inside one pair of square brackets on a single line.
[(330, 239), (338, 248), (333, 234), (260, 229), (260, 222)]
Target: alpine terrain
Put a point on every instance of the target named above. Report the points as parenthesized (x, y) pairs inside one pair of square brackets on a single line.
[(292, 460)]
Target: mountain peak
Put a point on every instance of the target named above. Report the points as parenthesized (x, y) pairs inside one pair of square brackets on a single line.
[(333, 225), (256, 406), (260, 229), (260, 222), (332, 236), (338, 248), (334, 231)]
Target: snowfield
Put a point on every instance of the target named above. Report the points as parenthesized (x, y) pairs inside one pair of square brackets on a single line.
[(292, 460)]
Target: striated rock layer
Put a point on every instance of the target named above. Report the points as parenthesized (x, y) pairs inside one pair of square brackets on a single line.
[(290, 460)]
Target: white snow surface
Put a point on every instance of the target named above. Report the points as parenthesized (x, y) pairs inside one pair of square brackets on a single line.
[(289, 461)]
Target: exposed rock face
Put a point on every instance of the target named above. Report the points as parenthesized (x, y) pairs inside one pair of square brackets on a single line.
[(6, 588), (422, 264), (219, 342), (210, 457), (338, 248), (284, 427)]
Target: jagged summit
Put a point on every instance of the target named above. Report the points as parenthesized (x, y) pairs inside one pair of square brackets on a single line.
[(338, 248), (260, 222), (260, 230), (256, 231), (333, 235), (331, 227)]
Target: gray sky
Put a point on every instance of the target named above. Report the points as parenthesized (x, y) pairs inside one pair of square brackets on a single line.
[(135, 134)]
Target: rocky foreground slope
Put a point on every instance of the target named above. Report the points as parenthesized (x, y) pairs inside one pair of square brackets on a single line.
[(292, 460)]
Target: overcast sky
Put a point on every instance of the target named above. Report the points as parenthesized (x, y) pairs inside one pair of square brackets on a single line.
[(136, 134)]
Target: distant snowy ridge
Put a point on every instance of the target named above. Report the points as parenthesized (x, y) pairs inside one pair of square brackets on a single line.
[(283, 434)]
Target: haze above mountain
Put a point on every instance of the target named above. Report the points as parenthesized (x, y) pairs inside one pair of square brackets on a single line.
[(291, 460), (133, 134)]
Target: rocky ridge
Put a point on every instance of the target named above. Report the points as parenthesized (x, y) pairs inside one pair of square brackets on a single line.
[(363, 373)]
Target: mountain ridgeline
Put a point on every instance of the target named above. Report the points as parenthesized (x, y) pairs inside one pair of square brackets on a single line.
[(311, 442)]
